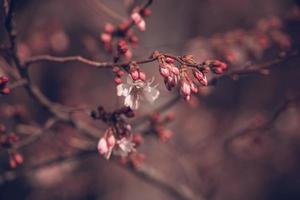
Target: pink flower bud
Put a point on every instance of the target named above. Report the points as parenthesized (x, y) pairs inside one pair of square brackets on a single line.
[(139, 21), (169, 60), (122, 46), (134, 40), (106, 38), (6, 91), (128, 54), (102, 146), (121, 73), (18, 158), (109, 28), (165, 135), (217, 70), (4, 80), (175, 70), (117, 80), (200, 77), (164, 71), (204, 81), (185, 88), (111, 141), (194, 88), (134, 75)]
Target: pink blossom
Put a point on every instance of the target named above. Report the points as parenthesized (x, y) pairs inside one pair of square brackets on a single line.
[(106, 144)]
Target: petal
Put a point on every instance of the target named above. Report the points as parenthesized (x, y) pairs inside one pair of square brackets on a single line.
[(108, 154), (102, 146), (123, 89), (136, 103), (151, 94), (129, 80), (128, 101)]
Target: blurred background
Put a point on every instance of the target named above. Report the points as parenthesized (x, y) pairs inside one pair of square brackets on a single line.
[(203, 153)]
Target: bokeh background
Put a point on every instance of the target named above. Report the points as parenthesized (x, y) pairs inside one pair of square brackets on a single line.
[(261, 165)]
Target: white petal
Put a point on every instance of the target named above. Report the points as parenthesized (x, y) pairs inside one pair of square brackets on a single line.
[(123, 89), (135, 103), (128, 101), (151, 94), (129, 80)]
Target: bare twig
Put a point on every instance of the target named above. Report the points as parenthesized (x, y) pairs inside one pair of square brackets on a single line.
[(264, 126)]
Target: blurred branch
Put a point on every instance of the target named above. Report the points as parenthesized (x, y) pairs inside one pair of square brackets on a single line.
[(144, 172), (108, 11), (255, 69), (264, 126)]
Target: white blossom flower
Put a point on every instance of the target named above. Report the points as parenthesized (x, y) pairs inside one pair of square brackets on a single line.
[(124, 147), (134, 91)]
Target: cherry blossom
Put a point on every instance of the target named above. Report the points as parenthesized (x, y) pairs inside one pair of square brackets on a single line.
[(136, 90)]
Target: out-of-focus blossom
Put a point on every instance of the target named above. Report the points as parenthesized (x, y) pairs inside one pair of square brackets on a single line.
[(139, 21), (124, 147), (106, 144)]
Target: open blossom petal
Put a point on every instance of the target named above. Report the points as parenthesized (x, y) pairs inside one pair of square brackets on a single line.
[(151, 94), (134, 91), (123, 89), (132, 101), (125, 146)]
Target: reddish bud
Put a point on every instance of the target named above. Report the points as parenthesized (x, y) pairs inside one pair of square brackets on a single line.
[(137, 139), (134, 75), (109, 28), (120, 73), (117, 80), (185, 88), (4, 79), (139, 21), (164, 72), (6, 91), (169, 60), (106, 38), (175, 70)]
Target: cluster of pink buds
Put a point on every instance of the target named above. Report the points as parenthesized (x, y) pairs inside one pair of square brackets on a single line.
[(136, 73), (216, 66), (117, 138), (119, 73), (122, 36), (3, 85), (187, 74), (16, 112), (158, 126), (7, 141), (134, 160)]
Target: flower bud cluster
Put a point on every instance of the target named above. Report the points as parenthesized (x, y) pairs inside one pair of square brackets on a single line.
[(117, 138), (134, 160), (7, 141), (187, 74), (158, 126), (122, 36), (3, 85)]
